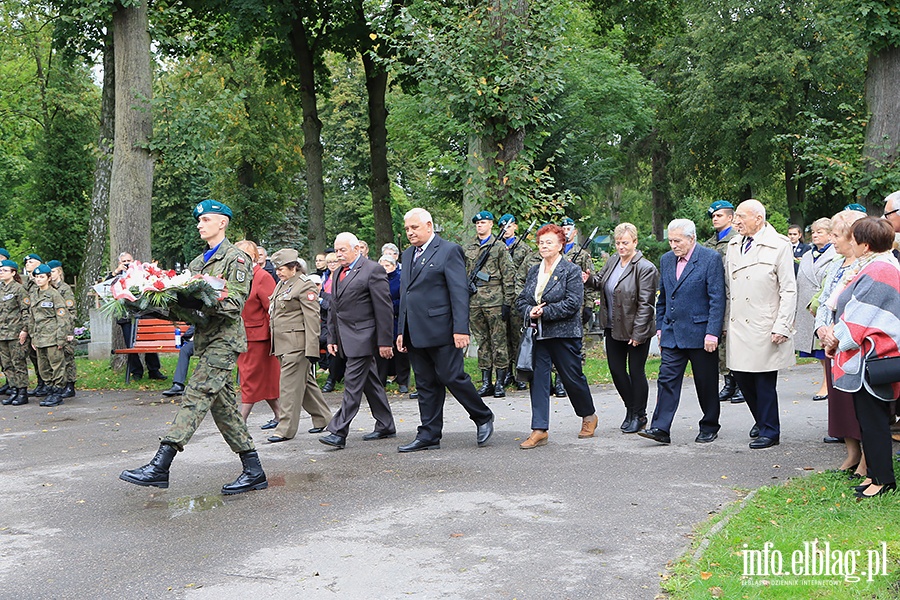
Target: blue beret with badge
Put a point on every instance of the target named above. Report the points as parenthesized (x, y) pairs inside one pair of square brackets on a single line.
[(4, 252), (33, 257), (54, 264), (718, 205), (484, 215), (41, 270), (507, 218), (857, 207), (566, 221), (211, 207), (10, 263)]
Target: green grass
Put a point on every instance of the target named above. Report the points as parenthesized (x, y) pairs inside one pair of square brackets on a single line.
[(819, 507)]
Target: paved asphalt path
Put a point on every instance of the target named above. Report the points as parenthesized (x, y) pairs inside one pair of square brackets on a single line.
[(596, 518)]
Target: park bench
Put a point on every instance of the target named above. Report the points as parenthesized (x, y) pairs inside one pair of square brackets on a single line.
[(153, 336)]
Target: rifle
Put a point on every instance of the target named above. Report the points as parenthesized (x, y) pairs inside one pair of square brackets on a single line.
[(477, 272), (521, 239), (585, 243)]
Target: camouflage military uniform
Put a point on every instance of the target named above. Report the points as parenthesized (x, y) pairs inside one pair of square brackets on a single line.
[(523, 258), (216, 346), (496, 288), (49, 326), (30, 288), (65, 290), (14, 318), (582, 258), (721, 246)]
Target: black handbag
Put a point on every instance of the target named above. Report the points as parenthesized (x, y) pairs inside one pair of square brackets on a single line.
[(883, 371), (525, 358)]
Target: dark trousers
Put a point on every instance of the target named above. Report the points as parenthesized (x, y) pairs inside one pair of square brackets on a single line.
[(336, 366), (438, 369), (705, 366), (762, 399), (397, 366), (184, 362), (627, 367), (874, 418), (565, 354), (134, 360), (361, 377)]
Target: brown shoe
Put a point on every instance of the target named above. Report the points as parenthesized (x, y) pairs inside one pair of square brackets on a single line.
[(588, 425), (537, 438)]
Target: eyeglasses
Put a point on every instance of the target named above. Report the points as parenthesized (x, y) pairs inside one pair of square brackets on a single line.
[(888, 213)]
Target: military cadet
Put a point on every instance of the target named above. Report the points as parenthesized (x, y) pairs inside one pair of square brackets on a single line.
[(573, 253), (58, 281), (49, 328), (32, 261), (523, 258), (489, 307), (14, 320), (722, 214), (4, 255), (218, 339), (295, 324)]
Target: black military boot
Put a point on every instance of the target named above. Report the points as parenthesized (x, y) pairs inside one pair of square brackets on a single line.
[(5, 387), (9, 399), (510, 376), (727, 390), (21, 397), (329, 385), (156, 472), (68, 391), (487, 388), (40, 389), (559, 390), (53, 397), (252, 478), (499, 392)]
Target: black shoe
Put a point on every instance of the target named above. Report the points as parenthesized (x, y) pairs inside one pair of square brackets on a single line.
[(728, 389), (818, 398), (12, 391), (53, 398), (487, 388), (315, 430), (764, 442), (559, 390), (832, 440), (177, 389), (333, 439), (20, 398), (9, 399), (886, 488), (272, 424), (499, 392), (404, 389), (156, 375), (156, 472), (705, 437), (251, 478), (635, 424), (417, 444), (68, 391), (414, 395), (521, 385), (657, 435), (379, 435), (738, 396), (484, 431), (137, 375), (40, 390), (274, 439), (329, 385), (4, 388), (629, 417), (754, 431)]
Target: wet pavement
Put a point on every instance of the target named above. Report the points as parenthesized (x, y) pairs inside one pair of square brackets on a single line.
[(595, 518)]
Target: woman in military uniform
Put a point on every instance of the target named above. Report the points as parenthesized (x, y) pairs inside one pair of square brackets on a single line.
[(14, 316), (49, 328), (58, 281), (294, 322)]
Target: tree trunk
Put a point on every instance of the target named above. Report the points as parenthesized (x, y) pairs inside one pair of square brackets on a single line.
[(659, 186), (93, 267), (131, 180), (379, 185), (883, 99), (473, 186), (312, 136), (246, 178)]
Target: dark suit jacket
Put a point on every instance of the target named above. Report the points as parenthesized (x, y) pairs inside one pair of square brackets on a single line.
[(361, 317), (692, 307), (434, 299), (563, 296)]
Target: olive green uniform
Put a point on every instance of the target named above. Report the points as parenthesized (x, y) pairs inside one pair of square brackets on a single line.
[(31, 287), (217, 343), (721, 246), (495, 285), (14, 319), (49, 326), (65, 290), (582, 258)]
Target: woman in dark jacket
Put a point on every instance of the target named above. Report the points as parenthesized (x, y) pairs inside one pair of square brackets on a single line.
[(628, 283), (551, 301)]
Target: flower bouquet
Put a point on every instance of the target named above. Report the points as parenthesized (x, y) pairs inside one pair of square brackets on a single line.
[(144, 288)]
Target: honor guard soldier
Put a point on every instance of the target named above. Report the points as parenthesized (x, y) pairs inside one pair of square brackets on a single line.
[(49, 328), (32, 261), (492, 285), (15, 304), (523, 258), (218, 339), (58, 281)]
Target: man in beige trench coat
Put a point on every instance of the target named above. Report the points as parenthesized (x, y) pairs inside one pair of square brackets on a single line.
[(762, 292)]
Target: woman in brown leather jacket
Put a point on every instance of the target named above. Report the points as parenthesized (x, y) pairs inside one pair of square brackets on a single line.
[(627, 284)]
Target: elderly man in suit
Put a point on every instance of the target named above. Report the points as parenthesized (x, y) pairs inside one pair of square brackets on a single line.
[(433, 326), (689, 314), (762, 301), (360, 324)]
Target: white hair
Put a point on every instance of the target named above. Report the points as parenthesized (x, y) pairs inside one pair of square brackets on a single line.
[(391, 247), (891, 201), (755, 206), (347, 237), (388, 258), (685, 226), (423, 215)]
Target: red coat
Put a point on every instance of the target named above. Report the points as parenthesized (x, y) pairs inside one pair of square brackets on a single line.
[(256, 309), (260, 372)]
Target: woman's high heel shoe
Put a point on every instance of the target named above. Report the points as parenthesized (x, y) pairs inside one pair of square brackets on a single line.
[(888, 487)]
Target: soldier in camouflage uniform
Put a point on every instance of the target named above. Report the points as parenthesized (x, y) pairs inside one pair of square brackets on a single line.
[(523, 258), (217, 341), (722, 214), (489, 307), (573, 253), (49, 329), (14, 320), (33, 261), (58, 281)]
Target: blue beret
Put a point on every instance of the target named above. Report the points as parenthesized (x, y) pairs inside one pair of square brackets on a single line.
[(718, 205), (9, 263), (857, 207), (4, 252), (54, 264), (211, 207), (41, 269), (507, 218), (33, 256), (484, 215), (566, 221)]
